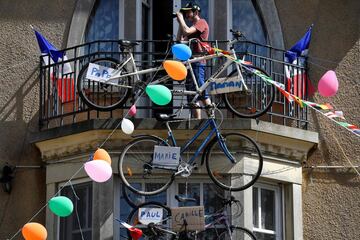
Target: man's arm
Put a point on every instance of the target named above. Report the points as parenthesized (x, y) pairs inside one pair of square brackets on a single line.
[(186, 31)]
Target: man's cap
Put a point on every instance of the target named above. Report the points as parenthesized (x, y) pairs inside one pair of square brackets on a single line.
[(191, 6)]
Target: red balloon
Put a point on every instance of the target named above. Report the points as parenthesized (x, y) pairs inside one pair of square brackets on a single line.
[(135, 233)]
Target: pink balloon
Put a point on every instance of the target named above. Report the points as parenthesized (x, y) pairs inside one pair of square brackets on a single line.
[(98, 170), (132, 111), (328, 84)]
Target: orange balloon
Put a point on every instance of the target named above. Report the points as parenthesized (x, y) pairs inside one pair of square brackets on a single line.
[(34, 231), (176, 70), (101, 154)]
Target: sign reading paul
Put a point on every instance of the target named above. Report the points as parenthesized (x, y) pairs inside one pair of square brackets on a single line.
[(193, 216), (150, 215)]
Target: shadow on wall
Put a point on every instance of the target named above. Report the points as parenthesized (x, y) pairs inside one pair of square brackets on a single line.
[(16, 102)]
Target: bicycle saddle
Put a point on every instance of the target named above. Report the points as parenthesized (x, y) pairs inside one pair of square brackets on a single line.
[(165, 117), (184, 199), (127, 43)]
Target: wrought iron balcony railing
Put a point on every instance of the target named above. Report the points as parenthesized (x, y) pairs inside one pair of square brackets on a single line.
[(60, 103)]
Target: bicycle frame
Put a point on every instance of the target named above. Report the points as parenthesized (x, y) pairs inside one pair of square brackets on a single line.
[(214, 131), (199, 90)]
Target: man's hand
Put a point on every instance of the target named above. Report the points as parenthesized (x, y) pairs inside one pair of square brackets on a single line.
[(179, 16)]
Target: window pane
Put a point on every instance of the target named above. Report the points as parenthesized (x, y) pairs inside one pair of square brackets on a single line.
[(255, 207), (161, 197), (264, 236), (193, 191), (212, 198), (247, 20), (69, 226), (267, 209), (104, 21)]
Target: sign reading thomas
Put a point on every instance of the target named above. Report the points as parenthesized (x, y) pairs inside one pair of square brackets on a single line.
[(166, 157), (192, 216), (150, 215), (98, 73), (226, 85)]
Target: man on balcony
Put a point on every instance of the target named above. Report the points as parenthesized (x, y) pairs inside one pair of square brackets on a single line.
[(200, 31)]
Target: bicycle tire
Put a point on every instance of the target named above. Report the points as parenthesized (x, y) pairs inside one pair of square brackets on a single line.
[(220, 170), (133, 157), (132, 220), (128, 199), (238, 233), (102, 96), (250, 106)]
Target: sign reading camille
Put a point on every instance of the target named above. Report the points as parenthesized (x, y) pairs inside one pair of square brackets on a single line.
[(194, 217)]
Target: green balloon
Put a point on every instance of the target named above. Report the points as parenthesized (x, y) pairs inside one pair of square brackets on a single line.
[(61, 206), (159, 94)]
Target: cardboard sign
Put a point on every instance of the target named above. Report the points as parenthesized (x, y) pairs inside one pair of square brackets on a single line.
[(226, 85), (165, 156), (150, 215), (194, 217), (98, 73)]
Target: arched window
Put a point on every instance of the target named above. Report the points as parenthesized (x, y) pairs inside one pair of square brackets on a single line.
[(103, 22), (246, 18)]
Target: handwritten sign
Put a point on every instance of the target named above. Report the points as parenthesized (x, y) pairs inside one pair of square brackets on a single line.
[(226, 85), (150, 215), (165, 156), (194, 217), (98, 73)]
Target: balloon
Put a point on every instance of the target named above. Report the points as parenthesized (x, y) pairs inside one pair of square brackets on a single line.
[(61, 206), (159, 94), (181, 51), (34, 231), (176, 70), (328, 84), (127, 126), (132, 111), (135, 233), (101, 154), (98, 170)]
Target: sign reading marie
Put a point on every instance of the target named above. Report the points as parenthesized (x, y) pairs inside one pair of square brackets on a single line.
[(166, 156)]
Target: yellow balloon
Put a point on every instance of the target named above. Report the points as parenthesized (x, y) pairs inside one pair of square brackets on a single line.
[(176, 70)]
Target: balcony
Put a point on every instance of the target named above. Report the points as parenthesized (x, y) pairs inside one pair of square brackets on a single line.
[(60, 104)]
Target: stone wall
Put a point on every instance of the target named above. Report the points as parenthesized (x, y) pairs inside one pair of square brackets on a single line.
[(330, 197)]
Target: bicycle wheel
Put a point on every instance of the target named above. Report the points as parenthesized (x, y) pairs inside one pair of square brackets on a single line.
[(254, 102), (147, 233), (247, 166), (136, 164), (103, 96), (237, 233)]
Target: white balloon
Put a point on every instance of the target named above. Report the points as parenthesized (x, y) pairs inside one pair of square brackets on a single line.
[(127, 126)]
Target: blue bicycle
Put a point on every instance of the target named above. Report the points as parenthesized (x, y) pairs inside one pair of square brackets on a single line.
[(233, 160)]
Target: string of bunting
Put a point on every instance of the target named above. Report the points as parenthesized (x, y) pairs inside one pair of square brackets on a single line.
[(326, 109)]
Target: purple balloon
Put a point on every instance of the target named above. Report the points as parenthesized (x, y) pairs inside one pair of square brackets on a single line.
[(98, 170)]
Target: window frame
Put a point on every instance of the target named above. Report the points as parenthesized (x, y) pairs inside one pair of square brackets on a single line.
[(279, 209), (73, 182)]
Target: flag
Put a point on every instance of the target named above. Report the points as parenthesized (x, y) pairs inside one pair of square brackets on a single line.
[(297, 79), (335, 114), (63, 82)]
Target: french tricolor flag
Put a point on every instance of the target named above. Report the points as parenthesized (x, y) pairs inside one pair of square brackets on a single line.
[(62, 76), (297, 78)]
